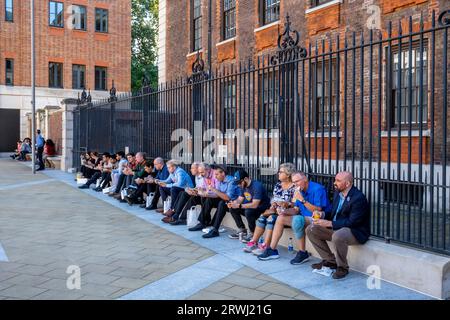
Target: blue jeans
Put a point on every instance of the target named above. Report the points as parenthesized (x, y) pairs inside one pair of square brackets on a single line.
[(267, 222)]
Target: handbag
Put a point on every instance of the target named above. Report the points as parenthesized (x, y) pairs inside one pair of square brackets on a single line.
[(149, 199), (167, 204), (192, 216)]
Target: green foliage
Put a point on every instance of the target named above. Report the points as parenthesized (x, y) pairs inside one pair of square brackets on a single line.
[(144, 36)]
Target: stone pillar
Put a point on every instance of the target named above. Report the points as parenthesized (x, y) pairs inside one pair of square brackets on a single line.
[(67, 106)]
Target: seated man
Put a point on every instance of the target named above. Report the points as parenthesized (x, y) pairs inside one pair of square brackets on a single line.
[(177, 181), (346, 224), (252, 202), (116, 173), (141, 182), (209, 198), (126, 175), (161, 173), (226, 191), (188, 198), (308, 197), (105, 179), (17, 151)]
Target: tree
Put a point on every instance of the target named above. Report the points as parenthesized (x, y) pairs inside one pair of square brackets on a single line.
[(144, 33)]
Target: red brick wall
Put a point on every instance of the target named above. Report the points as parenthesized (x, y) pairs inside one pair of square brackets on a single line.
[(55, 130), (112, 50)]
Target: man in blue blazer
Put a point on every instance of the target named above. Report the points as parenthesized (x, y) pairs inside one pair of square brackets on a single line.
[(347, 224)]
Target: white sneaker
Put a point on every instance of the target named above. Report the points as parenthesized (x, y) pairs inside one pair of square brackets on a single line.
[(222, 230), (206, 230), (259, 250)]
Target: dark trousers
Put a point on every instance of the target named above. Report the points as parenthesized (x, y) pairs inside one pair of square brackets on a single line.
[(184, 203), (94, 178), (251, 214), (124, 181), (173, 192), (40, 152), (106, 179), (222, 210), (205, 215)]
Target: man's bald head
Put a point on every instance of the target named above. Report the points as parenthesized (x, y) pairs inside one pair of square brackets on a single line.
[(343, 181)]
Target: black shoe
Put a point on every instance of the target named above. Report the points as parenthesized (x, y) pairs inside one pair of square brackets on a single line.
[(151, 208), (40, 169), (98, 189), (129, 200), (178, 222), (301, 257), (198, 227), (84, 186), (143, 206), (211, 234)]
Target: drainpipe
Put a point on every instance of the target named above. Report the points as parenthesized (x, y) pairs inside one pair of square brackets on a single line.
[(209, 34)]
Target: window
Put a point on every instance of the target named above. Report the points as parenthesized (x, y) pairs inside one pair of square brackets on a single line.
[(9, 13), (9, 72), (79, 20), (399, 110), (229, 19), (197, 25), (100, 78), (325, 109), (56, 14), (78, 76), (315, 3), (269, 98), (402, 192), (270, 11), (229, 103), (101, 20), (55, 75)]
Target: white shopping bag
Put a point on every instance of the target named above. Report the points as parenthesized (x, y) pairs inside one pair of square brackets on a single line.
[(107, 190), (167, 204), (192, 216), (123, 193), (97, 184), (82, 181), (149, 199), (325, 271)]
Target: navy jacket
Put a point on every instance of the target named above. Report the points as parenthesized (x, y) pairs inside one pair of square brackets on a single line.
[(354, 214)]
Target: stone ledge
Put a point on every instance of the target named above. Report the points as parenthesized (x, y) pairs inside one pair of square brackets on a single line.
[(417, 270)]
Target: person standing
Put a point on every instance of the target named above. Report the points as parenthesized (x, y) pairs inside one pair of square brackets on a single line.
[(40, 143)]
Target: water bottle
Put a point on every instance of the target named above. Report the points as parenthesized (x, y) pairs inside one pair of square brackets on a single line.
[(290, 246)]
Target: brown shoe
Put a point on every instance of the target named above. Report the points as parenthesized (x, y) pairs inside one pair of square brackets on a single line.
[(117, 196), (160, 210), (167, 219), (112, 194), (324, 263), (340, 273), (169, 213)]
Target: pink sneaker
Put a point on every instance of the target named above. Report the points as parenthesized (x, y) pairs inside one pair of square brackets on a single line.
[(250, 246), (261, 248)]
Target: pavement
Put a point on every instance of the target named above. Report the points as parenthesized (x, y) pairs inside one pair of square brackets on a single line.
[(60, 242)]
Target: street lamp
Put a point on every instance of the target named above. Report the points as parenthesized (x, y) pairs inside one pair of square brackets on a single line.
[(33, 94)]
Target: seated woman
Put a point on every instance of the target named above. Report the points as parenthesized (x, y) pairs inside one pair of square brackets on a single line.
[(282, 195), (49, 151)]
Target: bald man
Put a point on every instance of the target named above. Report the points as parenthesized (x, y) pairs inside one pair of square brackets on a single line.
[(347, 224)]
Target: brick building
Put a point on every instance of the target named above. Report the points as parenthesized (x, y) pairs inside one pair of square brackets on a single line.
[(79, 44), (367, 97)]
